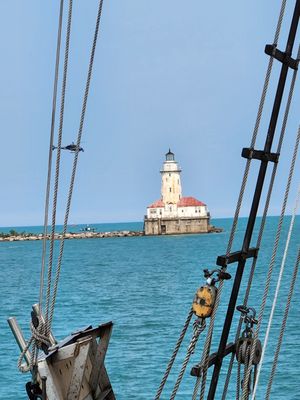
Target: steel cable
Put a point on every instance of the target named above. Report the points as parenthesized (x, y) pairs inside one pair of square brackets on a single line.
[(283, 325), (279, 23), (238, 378), (234, 226), (257, 124), (272, 262), (246, 173), (264, 216), (80, 130), (276, 292)]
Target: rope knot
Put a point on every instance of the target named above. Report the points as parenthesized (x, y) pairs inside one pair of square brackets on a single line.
[(38, 339), (38, 332)]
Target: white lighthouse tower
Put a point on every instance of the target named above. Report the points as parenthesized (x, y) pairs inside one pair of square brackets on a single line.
[(170, 180), (173, 213)]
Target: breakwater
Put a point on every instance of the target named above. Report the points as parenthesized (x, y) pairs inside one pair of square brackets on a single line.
[(14, 236), (70, 235)]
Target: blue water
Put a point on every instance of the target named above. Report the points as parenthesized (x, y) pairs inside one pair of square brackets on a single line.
[(145, 285)]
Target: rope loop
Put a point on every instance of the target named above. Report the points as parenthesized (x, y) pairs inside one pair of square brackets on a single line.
[(23, 367), (39, 335), (38, 340)]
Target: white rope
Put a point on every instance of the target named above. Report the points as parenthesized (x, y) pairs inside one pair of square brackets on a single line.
[(277, 291)]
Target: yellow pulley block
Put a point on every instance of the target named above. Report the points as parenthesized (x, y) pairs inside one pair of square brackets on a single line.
[(204, 301)]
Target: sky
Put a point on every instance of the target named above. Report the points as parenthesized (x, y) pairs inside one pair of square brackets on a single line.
[(167, 74)]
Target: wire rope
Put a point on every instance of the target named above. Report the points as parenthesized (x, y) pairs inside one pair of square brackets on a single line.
[(238, 378), (241, 195), (272, 262), (276, 294), (263, 221), (283, 325)]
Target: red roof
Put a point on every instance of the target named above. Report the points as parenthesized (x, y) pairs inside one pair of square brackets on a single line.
[(156, 204), (189, 202)]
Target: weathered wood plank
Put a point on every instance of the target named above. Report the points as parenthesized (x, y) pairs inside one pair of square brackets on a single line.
[(80, 360)]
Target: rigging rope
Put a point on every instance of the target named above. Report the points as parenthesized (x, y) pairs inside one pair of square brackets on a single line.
[(283, 325), (257, 125), (205, 355), (240, 199), (175, 352), (272, 262), (238, 379), (80, 130), (247, 365), (34, 341), (198, 381), (277, 291), (263, 221), (40, 330), (57, 169), (37, 338), (199, 326), (53, 115)]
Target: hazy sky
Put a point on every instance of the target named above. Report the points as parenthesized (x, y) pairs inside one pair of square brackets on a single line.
[(185, 75)]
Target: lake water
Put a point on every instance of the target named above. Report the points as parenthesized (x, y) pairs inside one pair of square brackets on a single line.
[(145, 285)]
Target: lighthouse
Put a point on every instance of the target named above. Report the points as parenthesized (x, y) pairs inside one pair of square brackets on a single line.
[(170, 180), (173, 213)]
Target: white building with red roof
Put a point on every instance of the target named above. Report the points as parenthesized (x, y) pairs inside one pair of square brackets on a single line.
[(172, 213)]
